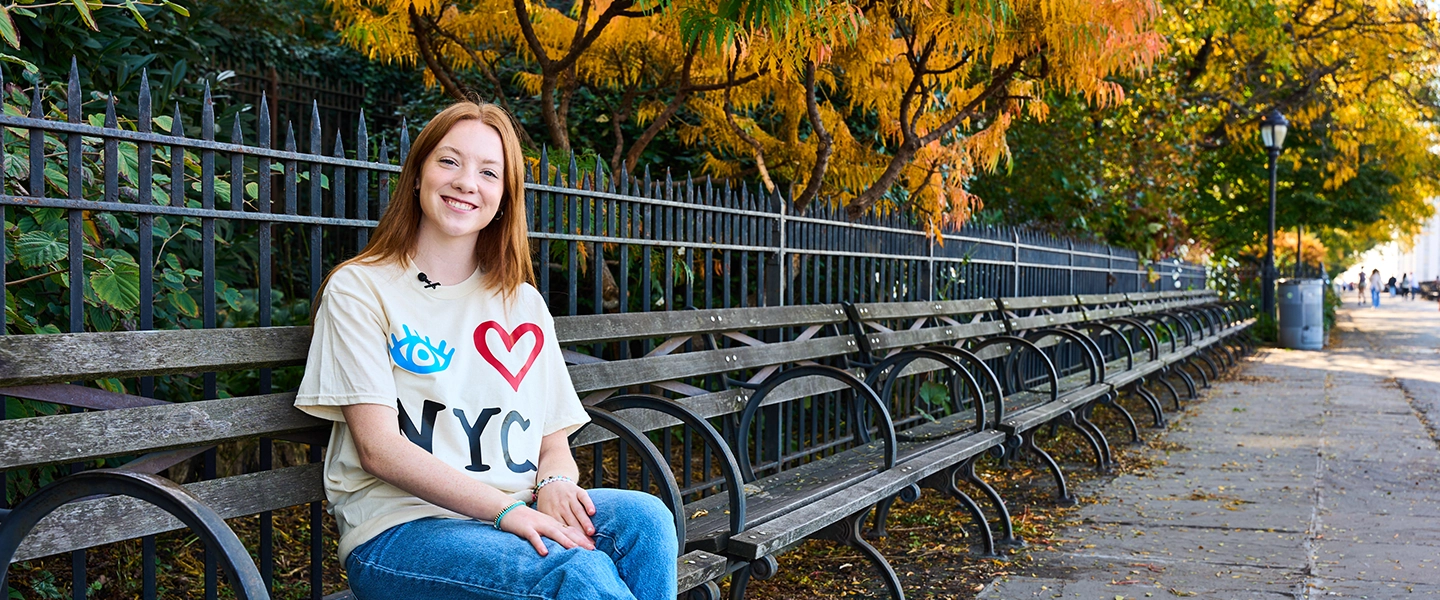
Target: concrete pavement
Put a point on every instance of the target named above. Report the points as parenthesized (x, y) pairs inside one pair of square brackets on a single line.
[(1305, 475)]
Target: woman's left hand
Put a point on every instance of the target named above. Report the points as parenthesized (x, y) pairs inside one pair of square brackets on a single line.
[(568, 503)]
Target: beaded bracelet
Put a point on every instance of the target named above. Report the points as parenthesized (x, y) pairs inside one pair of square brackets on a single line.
[(547, 481), (506, 511)]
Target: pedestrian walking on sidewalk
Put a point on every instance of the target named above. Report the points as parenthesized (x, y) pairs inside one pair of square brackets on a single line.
[(1361, 287), (1375, 288), (1405, 286)]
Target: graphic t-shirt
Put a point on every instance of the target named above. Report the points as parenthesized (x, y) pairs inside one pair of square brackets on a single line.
[(475, 382)]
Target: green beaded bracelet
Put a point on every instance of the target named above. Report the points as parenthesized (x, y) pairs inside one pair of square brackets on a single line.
[(507, 510)]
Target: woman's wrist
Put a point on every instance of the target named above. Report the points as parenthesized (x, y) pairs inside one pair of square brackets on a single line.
[(507, 510), (541, 484)]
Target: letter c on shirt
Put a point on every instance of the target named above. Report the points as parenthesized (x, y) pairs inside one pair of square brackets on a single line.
[(512, 418)]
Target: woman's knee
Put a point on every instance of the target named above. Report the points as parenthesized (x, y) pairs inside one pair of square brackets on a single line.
[(638, 515)]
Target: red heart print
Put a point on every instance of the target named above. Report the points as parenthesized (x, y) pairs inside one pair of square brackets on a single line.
[(509, 338)]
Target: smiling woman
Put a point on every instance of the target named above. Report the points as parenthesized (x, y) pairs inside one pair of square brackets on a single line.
[(438, 362)]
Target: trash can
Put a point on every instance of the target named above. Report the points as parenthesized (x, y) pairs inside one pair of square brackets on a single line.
[(1302, 314)]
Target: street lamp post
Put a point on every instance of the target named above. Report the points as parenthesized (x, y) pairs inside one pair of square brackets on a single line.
[(1272, 134)]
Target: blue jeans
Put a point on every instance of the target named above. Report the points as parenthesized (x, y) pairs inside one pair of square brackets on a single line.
[(1375, 297), (444, 559)]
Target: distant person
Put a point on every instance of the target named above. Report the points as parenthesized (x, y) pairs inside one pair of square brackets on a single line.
[(1414, 288), (1361, 287), (1390, 286), (1375, 288), (1405, 286)]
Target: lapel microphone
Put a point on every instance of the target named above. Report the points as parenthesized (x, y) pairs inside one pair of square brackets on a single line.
[(429, 285)]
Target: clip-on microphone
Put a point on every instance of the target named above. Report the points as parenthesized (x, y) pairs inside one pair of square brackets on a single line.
[(429, 285)]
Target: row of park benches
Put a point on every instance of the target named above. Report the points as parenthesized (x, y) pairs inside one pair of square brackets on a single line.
[(759, 427)]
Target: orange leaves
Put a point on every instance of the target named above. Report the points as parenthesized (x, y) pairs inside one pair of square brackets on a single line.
[(916, 95)]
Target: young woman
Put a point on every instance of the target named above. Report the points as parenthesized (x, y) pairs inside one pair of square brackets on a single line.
[(1375, 288), (448, 469)]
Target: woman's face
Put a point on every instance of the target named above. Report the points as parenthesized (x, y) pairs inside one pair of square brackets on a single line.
[(462, 182)]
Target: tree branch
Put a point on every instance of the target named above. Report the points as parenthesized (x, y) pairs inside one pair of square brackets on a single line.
[(427, 53), (754, 144)]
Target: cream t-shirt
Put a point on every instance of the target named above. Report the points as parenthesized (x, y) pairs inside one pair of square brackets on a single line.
[(473, 382)]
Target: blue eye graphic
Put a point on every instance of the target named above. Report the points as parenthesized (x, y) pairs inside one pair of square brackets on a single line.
[(417, 355)]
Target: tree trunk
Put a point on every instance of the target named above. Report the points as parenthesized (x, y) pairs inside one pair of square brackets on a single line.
[(823, 147), (554, 121)]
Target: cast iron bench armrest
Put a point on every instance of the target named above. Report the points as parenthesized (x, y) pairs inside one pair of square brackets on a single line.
[(1152, 341), (734, 481), (1098, 328), (890, 370), (1092, 363), (245, 578), (651, 458), (747, 416), (970, 358), (1025, 344)]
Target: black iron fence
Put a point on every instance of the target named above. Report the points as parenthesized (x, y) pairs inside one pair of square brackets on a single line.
[(117, 222)]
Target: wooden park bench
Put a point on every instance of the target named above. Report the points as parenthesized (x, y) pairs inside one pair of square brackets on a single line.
[(748, 422)]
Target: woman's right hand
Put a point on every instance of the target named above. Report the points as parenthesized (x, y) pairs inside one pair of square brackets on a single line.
[(532, 524)]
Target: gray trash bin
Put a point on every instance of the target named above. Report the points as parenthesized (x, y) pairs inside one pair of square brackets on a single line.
[(1302, 314)]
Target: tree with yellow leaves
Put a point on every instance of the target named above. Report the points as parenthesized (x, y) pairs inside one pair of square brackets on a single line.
[(868, 104)]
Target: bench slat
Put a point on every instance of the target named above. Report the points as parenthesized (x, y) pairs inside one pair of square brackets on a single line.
[(611, 375), (62, 357), (934, 335), (1028, 302), (66, 438), (586, 329), (914, 310)]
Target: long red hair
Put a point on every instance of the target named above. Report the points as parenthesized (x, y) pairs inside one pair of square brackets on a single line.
[(503, 248)]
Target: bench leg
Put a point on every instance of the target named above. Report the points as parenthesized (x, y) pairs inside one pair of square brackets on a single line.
[(847, 531), (1111, 401), (739, 580), (1195, 364), (1209, 357), (1157, 412), (1062, 492), (1007, 526), (1164, 381), (1230, 358), (1078, 424), (1191, 393), (1200, 360), (882, 510), (944, 482)]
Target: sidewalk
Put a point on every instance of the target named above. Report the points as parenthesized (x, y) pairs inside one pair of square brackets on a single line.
[(1306, 475)]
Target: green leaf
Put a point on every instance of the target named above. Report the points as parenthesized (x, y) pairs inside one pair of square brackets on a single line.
[(935, 394), (180, 10), (39, 249), (164, 122), (135, 12), (184, 304), (84, 9), (230, 296), (117, 282), (7, 28)]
